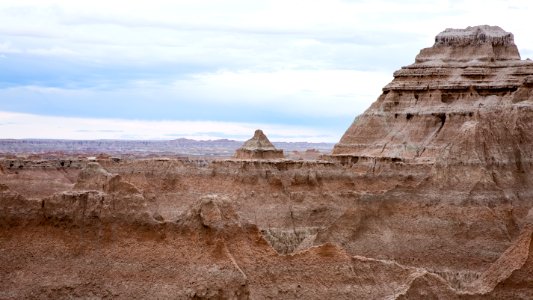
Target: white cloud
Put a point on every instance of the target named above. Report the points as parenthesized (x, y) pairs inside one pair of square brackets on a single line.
[(320, 94), (248, 34), (7, 48), (307, 92), (54, 51), (19, 126)]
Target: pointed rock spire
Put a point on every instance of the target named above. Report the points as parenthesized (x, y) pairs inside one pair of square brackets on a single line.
[(258, 142), (258, 147)]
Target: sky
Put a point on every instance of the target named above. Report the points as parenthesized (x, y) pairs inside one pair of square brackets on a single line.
[(299, 70)]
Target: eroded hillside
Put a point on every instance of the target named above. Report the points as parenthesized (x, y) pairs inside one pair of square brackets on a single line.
[(427, 195)]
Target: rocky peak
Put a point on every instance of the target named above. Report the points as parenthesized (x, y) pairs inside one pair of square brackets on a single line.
[(258, 142), (258, 147), (475, 35), (467, 99), (482, 43)]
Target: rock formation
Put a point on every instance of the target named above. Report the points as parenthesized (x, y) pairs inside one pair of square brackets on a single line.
[(258, 147), (427, 195), (466, 99), (465, 110), (479, 43)]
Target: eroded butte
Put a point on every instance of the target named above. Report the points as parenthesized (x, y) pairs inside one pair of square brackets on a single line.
[(428, 194)]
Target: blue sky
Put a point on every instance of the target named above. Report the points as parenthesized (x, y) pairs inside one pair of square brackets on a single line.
[(300, 70)]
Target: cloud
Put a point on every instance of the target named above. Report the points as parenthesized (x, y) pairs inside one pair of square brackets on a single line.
[(229, 33), (328, 93), (54, 51), (238, 34), (7, 47), (325, 98)]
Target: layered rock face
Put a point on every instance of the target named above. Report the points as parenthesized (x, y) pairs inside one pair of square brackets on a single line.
[(464, 109), (468, 98), (479, 43), (465, 106), (258, 147)]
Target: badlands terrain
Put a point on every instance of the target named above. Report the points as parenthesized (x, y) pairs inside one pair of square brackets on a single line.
[(428, 195), (223, 148)]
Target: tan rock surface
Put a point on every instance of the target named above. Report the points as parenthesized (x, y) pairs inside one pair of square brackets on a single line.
[(258, 147)]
